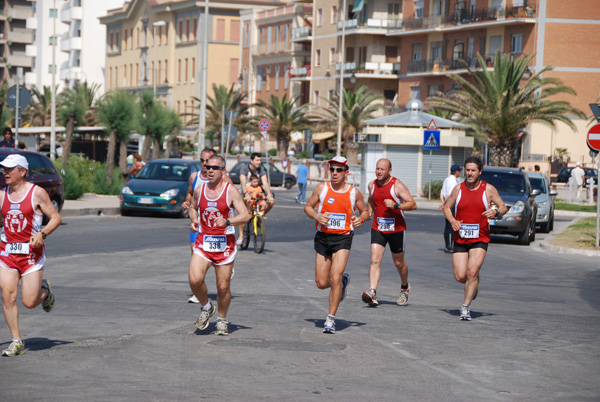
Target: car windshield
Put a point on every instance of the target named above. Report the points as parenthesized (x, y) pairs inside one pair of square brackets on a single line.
[(505, 182), (538, 184), (164, 171)]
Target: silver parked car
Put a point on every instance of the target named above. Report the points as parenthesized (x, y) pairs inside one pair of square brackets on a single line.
[(544, 201)]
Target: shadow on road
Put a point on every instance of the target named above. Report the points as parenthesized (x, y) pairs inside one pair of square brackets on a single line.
[(36, 344), (474, 314), (340, 325)]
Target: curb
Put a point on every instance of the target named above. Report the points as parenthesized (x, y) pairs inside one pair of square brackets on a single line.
[(567, 250), (90, 211)]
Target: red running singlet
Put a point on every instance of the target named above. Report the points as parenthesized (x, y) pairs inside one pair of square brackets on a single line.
[(469, 207), (387, 220)]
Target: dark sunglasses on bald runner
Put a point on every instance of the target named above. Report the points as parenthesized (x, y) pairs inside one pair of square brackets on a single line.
[(339, 170), (213, 167), (203, 160)]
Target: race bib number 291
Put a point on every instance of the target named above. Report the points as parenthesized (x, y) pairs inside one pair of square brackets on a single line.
[(469, 231)]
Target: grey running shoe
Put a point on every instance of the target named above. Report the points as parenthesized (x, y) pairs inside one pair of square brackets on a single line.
[(205, 315), (194, 300), (403, 298), (16, 347), (465, 313), (222, 328), (48, 303), (329, 326), (345, 283), (370, 297)]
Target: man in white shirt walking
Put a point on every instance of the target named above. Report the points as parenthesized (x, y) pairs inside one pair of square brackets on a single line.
[(578, 175), (449, 183)]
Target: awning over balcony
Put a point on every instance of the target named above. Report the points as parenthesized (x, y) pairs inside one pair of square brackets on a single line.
[(358, 6), (322, 136)]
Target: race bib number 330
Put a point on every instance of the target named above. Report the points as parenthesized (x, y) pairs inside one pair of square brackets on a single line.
[(469, 231), (17, 248)]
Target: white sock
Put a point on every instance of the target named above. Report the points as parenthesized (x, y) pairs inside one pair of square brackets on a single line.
[(207, 306)]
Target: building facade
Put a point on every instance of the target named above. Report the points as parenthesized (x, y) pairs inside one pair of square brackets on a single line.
[(15, 37), (157, 46)]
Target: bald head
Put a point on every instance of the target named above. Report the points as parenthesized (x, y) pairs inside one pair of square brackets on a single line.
[(385, 163), (383, 170)]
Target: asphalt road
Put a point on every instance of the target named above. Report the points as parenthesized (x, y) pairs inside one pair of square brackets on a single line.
[(122, 329)]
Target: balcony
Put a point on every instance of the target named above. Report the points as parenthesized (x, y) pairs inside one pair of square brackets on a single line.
[(371, 26), (31, 23), (371, 69), (30, 78), (464, 19), (68, 14), (19, 35), (19, 60), (73, 43), (301, 34), (31, 50), (278, 48), (442, 67), (19, 11), (300, 74)]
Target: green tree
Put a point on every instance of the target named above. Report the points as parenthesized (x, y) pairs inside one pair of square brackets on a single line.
[(40, 110), (5, 113), (285, 119), (157, 123), (357, 106), (499, 103), (116, 113), (232, 100)]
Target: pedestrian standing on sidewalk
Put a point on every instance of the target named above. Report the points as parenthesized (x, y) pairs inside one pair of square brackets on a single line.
[(449, 183), (302, 177), (22, 251), (335, 223), (388, 199)]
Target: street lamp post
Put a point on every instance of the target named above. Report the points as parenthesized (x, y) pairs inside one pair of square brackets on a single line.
[(341, 99), (154, 25), (53, 89), (202, 117)]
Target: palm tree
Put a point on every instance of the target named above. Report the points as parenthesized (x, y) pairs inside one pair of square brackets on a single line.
[(74, 104), (157, 123), (5, 114), (41, 107), (233, 101), (357, 106), (498, 105), (285, 119), (116, 113)]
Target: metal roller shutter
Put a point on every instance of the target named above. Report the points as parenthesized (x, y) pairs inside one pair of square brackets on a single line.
[(404, 160), (439, 165)]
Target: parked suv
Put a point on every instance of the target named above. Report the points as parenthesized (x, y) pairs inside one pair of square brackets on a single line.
[(516, 192), (41, 172)]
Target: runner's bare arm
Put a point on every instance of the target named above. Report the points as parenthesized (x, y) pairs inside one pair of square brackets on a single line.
[(364, 215), (493, 196), (190, 194), (309, 208), (370, 201), (448, 204), (44, 204), (193, 213), (238, 203), (403, 193)]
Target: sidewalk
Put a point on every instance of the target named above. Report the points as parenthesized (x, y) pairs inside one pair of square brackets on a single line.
[(103, 205)]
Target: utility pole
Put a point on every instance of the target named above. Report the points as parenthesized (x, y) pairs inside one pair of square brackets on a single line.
[(202, 117), (343, 12), (53, 106)]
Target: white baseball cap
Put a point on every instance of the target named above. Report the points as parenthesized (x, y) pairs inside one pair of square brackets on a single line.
[(13, 160), (578, 164), (339, 159)]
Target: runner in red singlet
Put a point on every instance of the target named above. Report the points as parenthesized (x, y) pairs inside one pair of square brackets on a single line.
[(22, 255), (335, 224), (212, 211), (388, 198), (472, 201)]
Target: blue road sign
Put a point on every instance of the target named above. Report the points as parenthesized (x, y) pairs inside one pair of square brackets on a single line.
[(431, 139), (264, 125)]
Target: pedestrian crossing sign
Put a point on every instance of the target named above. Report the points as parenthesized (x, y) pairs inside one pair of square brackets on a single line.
[(431, 139)]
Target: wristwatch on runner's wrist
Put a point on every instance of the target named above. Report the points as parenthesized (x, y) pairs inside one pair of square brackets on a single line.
[(44, 235), (227, 223), (396, 206)]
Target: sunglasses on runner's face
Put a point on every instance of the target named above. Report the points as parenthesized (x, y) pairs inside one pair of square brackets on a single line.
[(213, 167), (339, 170), (202, 160)]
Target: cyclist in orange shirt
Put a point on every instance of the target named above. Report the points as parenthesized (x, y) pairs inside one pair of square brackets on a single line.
[(255, 191)]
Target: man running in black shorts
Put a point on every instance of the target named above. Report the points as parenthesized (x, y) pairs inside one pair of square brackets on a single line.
[(388, 198)]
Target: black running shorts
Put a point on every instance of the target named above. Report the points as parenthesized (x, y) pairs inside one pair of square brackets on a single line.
[(327, 244), (395, 240), (464, 248)]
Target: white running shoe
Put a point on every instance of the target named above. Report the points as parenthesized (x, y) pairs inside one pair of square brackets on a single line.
[(194, 300), (465, 313)]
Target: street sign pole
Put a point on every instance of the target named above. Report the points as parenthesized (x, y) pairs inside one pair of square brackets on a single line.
[(593, 142), (430, 164), (18, 108), (597, 205), (431, 141)]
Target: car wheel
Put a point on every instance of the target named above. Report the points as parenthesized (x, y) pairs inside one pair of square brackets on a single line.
[(551, 224), (532, 232), (288, 184), (184, 214), (125, 212), (545, 227), (524, 237)]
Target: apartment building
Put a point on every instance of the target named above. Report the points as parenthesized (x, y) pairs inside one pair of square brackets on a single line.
[(269, 54), (157, 46), (405, 49), (15, 36)]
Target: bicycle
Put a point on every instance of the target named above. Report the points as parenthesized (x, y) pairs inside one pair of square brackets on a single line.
[(255, 227)]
